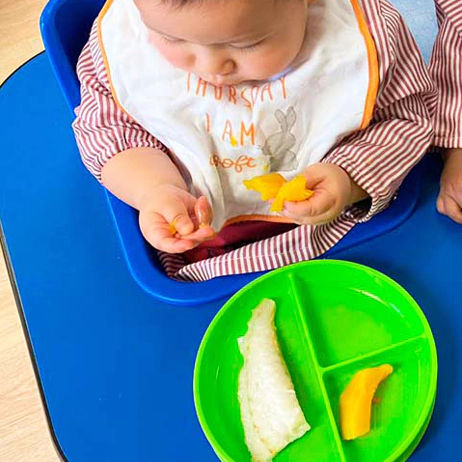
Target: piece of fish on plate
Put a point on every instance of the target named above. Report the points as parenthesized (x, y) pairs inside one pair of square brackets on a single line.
[(271, 414)]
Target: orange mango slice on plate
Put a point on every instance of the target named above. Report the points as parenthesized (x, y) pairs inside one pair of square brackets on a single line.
[(356, 401), (275, 186)]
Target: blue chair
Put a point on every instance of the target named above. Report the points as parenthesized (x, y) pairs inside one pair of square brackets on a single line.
[(65, 26)]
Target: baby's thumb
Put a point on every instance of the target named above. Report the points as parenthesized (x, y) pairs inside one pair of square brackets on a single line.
[(203, 211), (178, 217)]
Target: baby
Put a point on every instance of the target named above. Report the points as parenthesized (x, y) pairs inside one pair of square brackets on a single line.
[(183, 100), (446, 70)]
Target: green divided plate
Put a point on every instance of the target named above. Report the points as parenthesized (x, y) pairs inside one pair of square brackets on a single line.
[(333, 318)]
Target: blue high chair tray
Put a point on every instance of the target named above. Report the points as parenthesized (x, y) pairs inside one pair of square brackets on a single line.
[(65, 26)]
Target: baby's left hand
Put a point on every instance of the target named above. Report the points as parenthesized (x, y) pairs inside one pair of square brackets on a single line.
[(449, 200), (333, 191)]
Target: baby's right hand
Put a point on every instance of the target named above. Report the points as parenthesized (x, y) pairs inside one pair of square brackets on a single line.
[(450, 197), (173, 220)]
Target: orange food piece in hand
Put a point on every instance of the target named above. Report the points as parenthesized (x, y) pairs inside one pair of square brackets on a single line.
[(267, 185), (356, 401), (293, 190), (274, 186), (172, 227)]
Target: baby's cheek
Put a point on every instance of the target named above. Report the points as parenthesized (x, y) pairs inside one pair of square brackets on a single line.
[(175, 56), (264, 67)]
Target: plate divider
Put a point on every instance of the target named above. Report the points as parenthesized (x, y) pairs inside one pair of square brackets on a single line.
[(357, 359), (317, 368)]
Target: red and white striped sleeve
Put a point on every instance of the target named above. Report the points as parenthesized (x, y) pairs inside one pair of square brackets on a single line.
[(101, 128), (379, 157), (446, 70)]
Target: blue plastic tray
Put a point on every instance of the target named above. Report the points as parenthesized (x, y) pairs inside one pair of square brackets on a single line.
[(65, 26)]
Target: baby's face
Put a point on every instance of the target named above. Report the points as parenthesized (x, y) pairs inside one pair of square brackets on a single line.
[(226, 42)]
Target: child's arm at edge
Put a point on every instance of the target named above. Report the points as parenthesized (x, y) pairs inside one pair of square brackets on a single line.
[(447, 57), (378, 158), (449, 200)]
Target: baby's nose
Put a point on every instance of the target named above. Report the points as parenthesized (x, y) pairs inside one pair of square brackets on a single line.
[(214, 66), (227, 68)]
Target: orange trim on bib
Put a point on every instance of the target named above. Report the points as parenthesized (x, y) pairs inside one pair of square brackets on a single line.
[(101, 15), (373, 65), (270, 218), (365, 32)]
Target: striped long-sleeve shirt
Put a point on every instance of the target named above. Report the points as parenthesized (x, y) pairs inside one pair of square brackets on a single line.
[(446, 71), (377, 158)]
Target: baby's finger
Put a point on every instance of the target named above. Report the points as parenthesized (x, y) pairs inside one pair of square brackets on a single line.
[(156, 230), (452, 209), (314, 179), (440, 205), (176, 214), (201, 234), (179, 244), (160, 237), (203, 211), (318, 208), (174, 245)]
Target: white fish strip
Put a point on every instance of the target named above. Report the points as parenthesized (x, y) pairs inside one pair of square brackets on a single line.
[(270, 411)]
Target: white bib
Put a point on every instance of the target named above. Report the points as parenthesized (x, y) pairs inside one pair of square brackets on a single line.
[(222, 136)]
